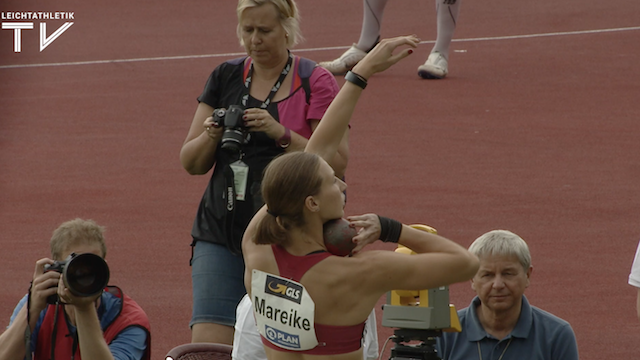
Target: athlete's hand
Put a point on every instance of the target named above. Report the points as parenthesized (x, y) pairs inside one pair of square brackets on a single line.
[(368, 230), (381, 57)]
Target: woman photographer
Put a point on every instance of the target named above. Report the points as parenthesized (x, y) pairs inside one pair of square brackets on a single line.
[(282, 97), (307, 302)]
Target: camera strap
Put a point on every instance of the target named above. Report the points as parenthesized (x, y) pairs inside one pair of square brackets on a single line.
[(27, 331), (237, 170), (230, 197), (274, 89)]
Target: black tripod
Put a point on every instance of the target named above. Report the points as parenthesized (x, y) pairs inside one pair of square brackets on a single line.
[(425, 350)]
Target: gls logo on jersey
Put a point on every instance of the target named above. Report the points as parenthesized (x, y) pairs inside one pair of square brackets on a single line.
[(18, 26), (284, 289)]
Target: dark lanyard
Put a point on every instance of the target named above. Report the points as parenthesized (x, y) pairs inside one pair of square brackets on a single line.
[(274, 89), (228, 173)]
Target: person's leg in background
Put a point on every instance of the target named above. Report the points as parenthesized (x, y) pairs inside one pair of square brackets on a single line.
[(437, 64), (369, 36), (218, 286)]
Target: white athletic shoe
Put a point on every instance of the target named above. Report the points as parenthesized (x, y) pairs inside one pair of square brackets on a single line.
[(345, 62), (436, 67)]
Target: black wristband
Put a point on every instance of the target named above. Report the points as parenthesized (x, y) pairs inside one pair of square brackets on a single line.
[(389, 229), (356, 79)]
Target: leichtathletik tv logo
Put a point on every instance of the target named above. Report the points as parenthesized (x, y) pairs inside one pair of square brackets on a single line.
[(19, 21), (284, 289)]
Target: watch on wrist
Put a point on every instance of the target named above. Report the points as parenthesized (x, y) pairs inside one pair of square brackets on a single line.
[(285, 140)]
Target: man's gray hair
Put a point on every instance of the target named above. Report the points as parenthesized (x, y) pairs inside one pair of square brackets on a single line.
[(502, 243)]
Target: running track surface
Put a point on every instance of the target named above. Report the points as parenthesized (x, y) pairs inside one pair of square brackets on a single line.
[(535, 131)]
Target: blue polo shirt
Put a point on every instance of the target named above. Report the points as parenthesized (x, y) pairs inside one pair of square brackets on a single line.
[(538, 335)]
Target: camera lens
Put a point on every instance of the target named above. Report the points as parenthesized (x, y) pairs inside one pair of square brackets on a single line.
[(232, 139), (86, 275)]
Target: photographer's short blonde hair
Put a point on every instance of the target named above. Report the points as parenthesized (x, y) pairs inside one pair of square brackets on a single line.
[(289, 18), (76, 232)]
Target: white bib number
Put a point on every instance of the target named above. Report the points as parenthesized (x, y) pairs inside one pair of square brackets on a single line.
[(284, 311)]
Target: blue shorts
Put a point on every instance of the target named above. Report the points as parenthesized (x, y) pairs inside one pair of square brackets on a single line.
[(217, 278)]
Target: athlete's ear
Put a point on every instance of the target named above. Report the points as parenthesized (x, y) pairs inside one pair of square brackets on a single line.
[(311, 204)]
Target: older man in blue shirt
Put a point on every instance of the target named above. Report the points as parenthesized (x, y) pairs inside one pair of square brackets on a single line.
[(500, 323)]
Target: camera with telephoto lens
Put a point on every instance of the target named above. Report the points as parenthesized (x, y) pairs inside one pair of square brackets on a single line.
[(83, 274), (235, 133)]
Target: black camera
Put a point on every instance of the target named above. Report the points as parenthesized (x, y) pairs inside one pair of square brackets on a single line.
[(84, 274), (235, 133)]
